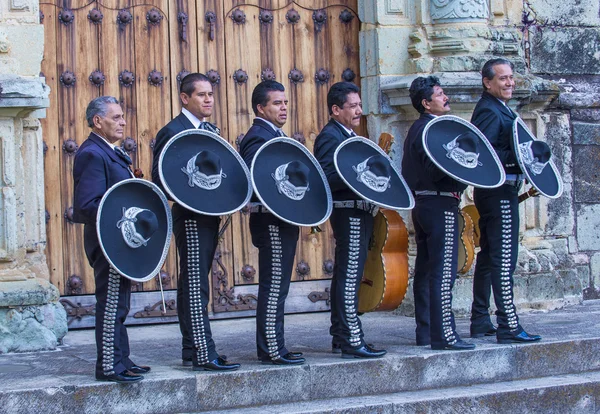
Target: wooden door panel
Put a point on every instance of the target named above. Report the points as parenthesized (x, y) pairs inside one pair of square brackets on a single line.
[(52, 163)]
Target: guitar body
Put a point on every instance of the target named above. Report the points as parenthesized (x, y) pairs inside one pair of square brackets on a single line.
[(466, 245), (472, 212), (385, 278)]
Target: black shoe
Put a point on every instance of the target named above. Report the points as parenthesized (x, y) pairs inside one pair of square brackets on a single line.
[(218, 364), (523, 337), (287, 359), (480, 333), (125, 377), (459, 345), (295, 354), (337, 348), (137, 369), (363, 352)]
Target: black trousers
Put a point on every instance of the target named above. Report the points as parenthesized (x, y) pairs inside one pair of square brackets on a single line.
[(196, 237), (276, 241), (352, 230), (496, 262), (435, 219), (113, 300)]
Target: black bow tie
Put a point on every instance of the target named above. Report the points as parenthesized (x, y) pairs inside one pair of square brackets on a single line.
[(123, 155)]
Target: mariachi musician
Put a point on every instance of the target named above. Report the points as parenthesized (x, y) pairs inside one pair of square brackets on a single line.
[(522, 158), (290, 191), (200, 189), (361, 178), (442, 154)]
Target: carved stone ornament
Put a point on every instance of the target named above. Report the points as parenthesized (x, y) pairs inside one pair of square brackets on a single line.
[(68, 79), (126, 78), (155, 78), (124, 17), (296, 76), (459, 9), (66, 16), (129, 145), (95, 16), (70, 147), (213, 76), (265, 17), (97, 78), (154, 17), (238, 16)]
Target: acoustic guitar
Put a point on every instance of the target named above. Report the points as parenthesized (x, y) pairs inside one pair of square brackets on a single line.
[(466, 242), (385, 277)]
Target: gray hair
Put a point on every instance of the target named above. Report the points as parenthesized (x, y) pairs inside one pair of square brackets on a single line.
[(488, 68), (98, 106)]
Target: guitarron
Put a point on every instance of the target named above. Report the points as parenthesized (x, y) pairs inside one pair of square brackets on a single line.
[(385, 277)]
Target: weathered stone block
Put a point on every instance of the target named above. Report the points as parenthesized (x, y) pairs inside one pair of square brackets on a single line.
[(583, 272), (586, 133), (588, 223), (569, 51), (585, 115), (566, 12), (586, 172), (595, 270)]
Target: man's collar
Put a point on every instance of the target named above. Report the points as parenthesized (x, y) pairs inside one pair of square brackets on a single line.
[(349, 131), (192, 118), (271, 124), (112, 146)]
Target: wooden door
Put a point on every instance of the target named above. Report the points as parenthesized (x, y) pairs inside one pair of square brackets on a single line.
[(307, 46), (138, 51)]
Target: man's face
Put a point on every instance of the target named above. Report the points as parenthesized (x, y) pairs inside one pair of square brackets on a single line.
[(275, 111), (503, 83), (112, 125), (349, 114), (439, 103), (200, 103)]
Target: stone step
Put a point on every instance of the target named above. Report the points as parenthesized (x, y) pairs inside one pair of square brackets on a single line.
[(574, 393), (175, 389)]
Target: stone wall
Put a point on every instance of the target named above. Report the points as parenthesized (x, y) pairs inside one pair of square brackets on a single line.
[(559, 257), (30, 316)]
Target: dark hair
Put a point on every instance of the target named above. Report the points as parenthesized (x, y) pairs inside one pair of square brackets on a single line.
[(188, 83), (98, 106), (422, 88), (338, 94), (488, 68), (260, 94)]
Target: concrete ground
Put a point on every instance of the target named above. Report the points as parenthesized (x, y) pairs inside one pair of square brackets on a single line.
[(159, 345)]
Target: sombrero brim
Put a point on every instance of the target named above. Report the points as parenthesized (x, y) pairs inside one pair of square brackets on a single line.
[(316, 205), (354, 151), (233, 193), (143, 263), (548, 182), (443, 130)]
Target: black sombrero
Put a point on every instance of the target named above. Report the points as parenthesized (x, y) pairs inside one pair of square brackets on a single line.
[(134, 228), (535, 159), (460, 150), (371, 174), (290, 183), (204, 173)]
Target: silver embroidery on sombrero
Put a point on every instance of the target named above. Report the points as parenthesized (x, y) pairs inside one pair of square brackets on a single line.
[(460, 156), (535, 166), (195, 177), (374, 182), (285, 187), (132, 238)]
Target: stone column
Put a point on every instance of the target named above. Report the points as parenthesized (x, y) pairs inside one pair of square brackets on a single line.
[(30, 316), (452, 39)]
